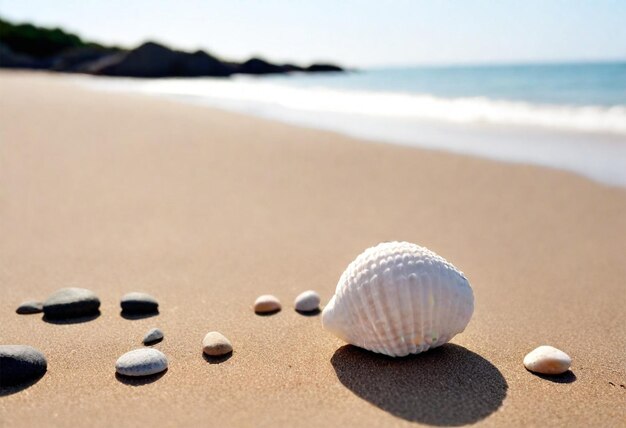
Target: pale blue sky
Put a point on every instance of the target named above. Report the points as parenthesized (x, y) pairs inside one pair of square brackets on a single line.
[(350, 32)]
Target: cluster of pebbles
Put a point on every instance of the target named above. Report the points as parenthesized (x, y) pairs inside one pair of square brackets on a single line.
[(357, 314), (21, 363)]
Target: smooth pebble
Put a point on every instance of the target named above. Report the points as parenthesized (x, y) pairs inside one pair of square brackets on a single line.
[(215, 344), (547, 360), (139, 303), (153, 335), (141, 362), (307, 301), (30, 307), (71, 302), (266, 304), (20, 363)]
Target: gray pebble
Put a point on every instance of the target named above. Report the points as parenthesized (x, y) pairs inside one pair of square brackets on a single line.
[(153, 335), (141, 362), (307, 301), (30, 307), (71, 302), (20, 363), (139, 303)]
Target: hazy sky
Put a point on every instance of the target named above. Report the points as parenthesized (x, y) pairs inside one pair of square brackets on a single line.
[(351, 32)]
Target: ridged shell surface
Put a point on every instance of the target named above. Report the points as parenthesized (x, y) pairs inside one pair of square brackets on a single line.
[(398, 298)]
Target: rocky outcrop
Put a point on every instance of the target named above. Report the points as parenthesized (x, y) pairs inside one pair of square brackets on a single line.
[(75, 59), (10, 59), (154, 60), (260, 66), (31, 47), (323, 68)]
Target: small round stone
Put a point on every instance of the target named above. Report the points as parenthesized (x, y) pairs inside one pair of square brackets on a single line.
[(215, 344), (153, 335), (139, 303), (547, 360), (20, 363), (141, 362), (70, 303), (307, 301), (266, 303), (30, 307)]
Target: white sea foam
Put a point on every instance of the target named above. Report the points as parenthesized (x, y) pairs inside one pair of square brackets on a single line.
[(477, 110), (590, 140)]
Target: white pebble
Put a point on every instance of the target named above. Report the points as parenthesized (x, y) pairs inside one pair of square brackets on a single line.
[(547, 360), (307, 301), (141, 362)]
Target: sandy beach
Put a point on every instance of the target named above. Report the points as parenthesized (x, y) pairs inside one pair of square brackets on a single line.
[(206, 210)]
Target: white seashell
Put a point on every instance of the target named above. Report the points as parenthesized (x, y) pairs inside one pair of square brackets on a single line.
[(398, 298), (547, 360)]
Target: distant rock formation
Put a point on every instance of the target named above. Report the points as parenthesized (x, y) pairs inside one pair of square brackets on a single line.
[(323, 68), (154, 60), (260, 66), (74, 60), (10, 59), (27, 46)]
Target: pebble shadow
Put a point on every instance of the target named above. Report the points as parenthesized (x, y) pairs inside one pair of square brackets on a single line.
[(312, 313), (135, 316), (216, 360), (267, 314), (14, 389), (74, 320), (139, 380), (567, 377), (447, 386)]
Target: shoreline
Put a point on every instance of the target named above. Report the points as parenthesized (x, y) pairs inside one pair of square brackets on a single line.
[(364, 115), (206, 210)]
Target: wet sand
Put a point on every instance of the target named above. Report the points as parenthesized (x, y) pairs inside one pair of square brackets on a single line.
[(206, 210)]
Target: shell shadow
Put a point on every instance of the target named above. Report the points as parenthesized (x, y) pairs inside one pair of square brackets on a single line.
[(567, 377), (71, 320), (139, 380), (216, 360), (138, 316), (446, 386), (15, 388)]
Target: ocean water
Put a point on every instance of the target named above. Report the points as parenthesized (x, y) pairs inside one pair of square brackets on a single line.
[(568, 116), (601, 84)]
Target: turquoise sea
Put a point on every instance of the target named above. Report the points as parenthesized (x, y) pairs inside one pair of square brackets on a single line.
[(580, 84)]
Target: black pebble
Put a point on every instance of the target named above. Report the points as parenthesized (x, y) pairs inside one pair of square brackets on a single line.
[(139, 303), (71, 303), (20, 363)]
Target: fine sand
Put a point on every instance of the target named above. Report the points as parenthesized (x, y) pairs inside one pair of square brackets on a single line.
[(206, 210)]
